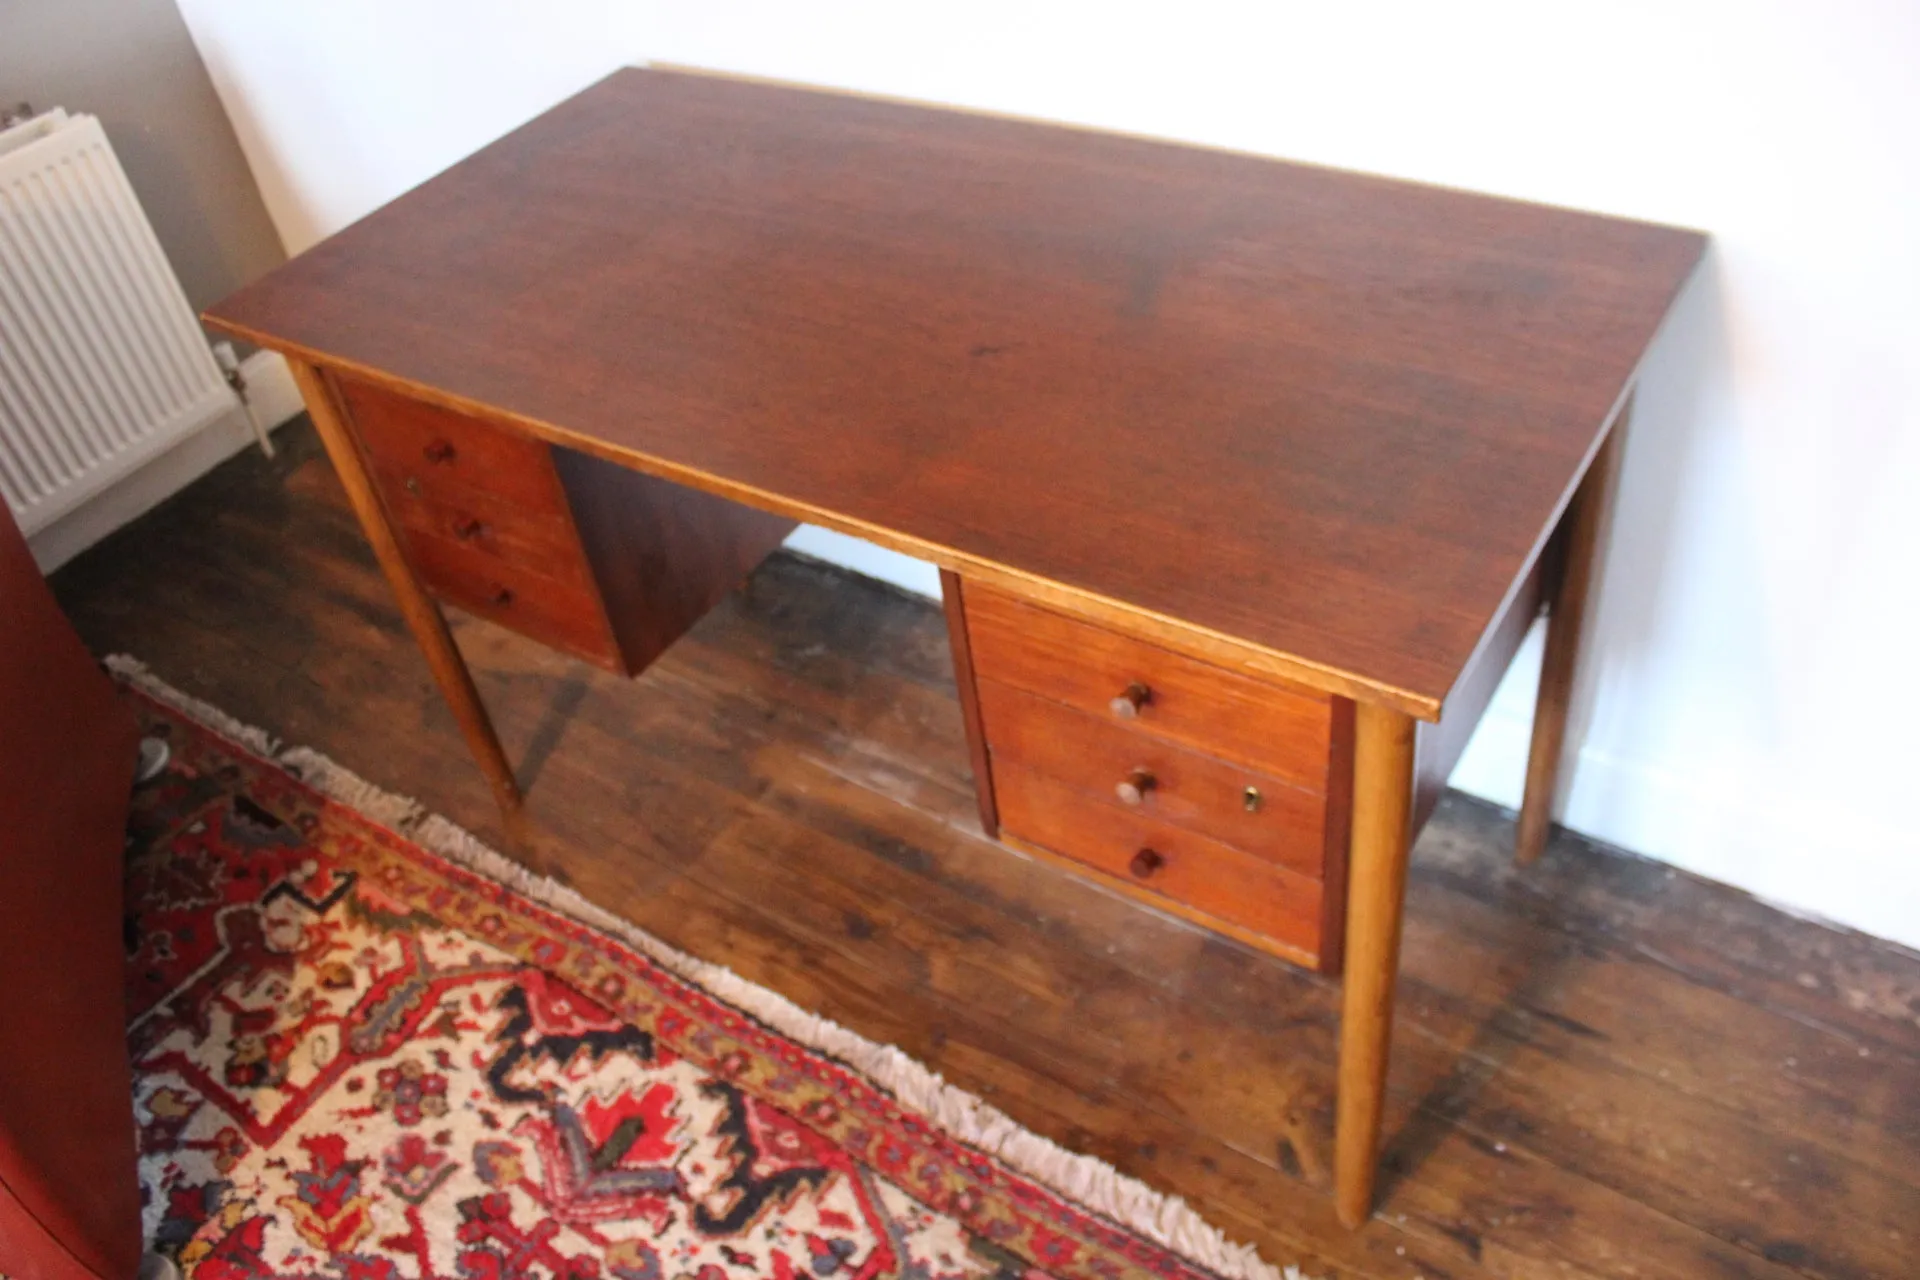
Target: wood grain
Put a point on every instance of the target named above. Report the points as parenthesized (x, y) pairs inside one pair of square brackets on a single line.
[(1321, 417)]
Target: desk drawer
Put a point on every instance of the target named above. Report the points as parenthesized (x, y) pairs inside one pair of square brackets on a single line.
[(555, 613), (435, 448), (1107, 760), (537, 542), (1271, 728), (1202, 879)]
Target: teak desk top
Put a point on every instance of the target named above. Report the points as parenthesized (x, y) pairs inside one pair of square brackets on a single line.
[(1327, 418)]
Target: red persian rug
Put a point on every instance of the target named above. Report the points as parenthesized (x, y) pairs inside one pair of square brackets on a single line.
[(367, 1047)]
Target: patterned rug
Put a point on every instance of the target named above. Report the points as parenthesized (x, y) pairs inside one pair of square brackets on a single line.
[(367, 1047)]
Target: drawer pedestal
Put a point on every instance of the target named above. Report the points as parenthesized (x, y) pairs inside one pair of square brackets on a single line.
[(1215, 795), (605, 563)]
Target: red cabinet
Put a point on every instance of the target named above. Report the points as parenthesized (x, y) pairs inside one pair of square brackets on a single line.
[(69, 1195)]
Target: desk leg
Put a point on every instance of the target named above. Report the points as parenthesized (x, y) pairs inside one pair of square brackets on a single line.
[(1377, 882), (416, 606), (1566, 613)]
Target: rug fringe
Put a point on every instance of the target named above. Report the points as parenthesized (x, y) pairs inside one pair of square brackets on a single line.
[(1087, 1180)]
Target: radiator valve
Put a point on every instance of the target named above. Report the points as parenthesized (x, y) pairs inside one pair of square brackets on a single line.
[(229, 362)]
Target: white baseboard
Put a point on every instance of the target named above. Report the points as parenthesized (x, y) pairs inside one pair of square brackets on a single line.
[(1806, 852), (275, 399)]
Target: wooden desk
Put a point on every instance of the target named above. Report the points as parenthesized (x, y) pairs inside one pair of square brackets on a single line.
[(1245, 478)]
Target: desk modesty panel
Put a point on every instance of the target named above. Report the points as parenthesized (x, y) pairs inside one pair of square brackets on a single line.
[(1234, 469)]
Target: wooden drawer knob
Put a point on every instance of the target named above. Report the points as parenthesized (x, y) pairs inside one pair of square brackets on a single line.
[(467, 528), (1134, 787), (500, 596), (1145, 863), (439, 451), (1131, 699)]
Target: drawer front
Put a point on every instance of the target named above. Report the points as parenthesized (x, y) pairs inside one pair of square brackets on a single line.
[(1179, 867), (538, 542), (1109, 761), (1270, 728), (435, 448), (554, 613)]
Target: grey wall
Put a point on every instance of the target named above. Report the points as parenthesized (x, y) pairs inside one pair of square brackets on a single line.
[(131, 63)]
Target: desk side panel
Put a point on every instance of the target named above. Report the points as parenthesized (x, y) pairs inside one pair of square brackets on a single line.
[(1438, 746)]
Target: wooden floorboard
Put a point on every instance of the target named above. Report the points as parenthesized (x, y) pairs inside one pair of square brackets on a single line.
[(1602, 1067)]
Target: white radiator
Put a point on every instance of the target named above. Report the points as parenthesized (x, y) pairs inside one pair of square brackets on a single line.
[(102, 365)]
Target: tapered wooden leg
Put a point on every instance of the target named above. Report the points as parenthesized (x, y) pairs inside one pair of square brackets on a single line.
[(416, 606), (1566, 614), (1377, 882)]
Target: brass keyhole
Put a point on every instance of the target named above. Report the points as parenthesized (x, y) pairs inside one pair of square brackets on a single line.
[(1251, 799)]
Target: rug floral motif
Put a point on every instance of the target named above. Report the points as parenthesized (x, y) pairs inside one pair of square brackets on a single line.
[(357, 1059)]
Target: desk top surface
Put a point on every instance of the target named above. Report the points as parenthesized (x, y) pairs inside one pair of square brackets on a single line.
[(1327, 415)]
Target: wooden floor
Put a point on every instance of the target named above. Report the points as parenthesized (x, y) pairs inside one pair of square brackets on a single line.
[(1602, 1067)]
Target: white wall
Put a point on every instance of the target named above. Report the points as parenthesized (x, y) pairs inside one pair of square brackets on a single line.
[(1749, 710)]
